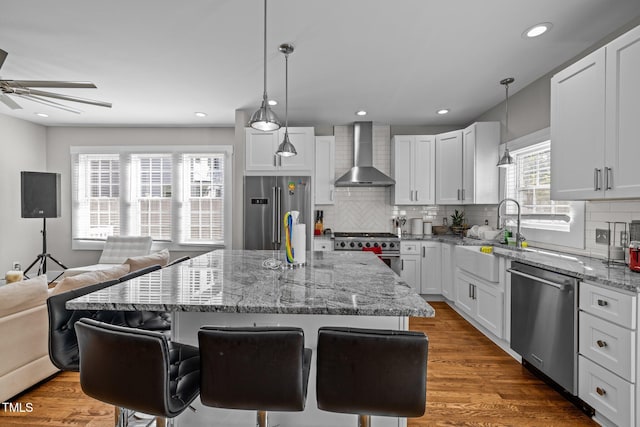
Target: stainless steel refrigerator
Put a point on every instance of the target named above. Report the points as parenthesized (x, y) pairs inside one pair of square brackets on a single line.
[(266, 200)]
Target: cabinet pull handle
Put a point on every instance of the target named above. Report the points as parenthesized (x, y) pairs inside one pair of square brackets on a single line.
[(424, 252), (473, 291), (608, 178), (601, 391), (275, 160), (401, 264), (416, 195), (601, 343), (597, 179), (602, 303), (470, 285), (458, 194), (463, 194)]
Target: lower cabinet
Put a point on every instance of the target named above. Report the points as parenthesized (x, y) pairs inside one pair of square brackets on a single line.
[(448, 262), (421, 266), (607, 360), (483, 301)]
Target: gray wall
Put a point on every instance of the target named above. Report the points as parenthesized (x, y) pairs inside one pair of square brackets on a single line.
[(22, 148), (58, 159)]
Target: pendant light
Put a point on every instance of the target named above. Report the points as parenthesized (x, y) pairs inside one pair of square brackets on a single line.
[(506, 159), (264, 118), (286, 148)]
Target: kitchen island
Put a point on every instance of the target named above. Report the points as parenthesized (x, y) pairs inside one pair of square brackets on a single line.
[(245, 288)]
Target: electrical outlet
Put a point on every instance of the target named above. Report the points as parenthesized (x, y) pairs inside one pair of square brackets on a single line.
[(602, 236)]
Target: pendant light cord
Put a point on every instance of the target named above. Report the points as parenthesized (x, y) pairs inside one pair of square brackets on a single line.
[(265, 50), (506, 108), (286, 92)]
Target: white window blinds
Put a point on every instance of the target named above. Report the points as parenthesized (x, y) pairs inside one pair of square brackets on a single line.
[(174, 197), (529, 182)]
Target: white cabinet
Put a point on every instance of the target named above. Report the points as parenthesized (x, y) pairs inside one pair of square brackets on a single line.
[(466, 170), (413, 167), (410, 262), (325, 170), (430, 268), (261, 150), (447, 257), (421, 266), (607, 361), (595, 104)]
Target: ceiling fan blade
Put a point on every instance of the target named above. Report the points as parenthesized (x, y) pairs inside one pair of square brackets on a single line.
[(49, 103), (9, 102), (69, 98), (50, 83), (3, 56)]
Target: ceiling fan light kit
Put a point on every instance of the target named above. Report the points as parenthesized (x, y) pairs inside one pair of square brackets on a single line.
[(25, 89), (264, 118)]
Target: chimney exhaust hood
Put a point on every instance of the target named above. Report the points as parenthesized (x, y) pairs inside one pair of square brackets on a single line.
[(363, 174)]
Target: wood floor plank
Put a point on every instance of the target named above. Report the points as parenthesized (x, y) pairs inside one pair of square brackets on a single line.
[(470, 382)]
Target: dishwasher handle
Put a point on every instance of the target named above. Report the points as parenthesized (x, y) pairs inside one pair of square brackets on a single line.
[(537, 279)]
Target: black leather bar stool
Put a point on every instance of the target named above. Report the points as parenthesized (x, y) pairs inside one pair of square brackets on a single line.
[(255, 368), (138, 370), (372, 372)]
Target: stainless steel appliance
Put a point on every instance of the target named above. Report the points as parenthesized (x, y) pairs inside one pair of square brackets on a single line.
[(266, 200), (386, 245), (544, 322)]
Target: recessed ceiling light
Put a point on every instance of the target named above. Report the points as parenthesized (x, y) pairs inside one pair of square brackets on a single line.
[(200, 114), (442, 111), (537, 30), (361, 113), (272, 102), (42, 115)]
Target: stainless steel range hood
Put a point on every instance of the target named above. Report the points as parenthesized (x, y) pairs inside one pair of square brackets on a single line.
[(363, 174)]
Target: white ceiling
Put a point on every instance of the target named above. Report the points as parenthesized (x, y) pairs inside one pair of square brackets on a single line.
[(159, 61)]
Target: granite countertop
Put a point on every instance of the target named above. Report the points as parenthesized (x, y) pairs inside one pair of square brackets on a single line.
[(585, 268), (235, 281)]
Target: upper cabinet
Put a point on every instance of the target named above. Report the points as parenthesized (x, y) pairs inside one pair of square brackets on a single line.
[(413, 168), (466, 170), (325, 170), (595, 105), (261, 150)]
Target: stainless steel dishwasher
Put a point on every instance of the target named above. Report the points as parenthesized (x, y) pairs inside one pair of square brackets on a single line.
[(544, 322)]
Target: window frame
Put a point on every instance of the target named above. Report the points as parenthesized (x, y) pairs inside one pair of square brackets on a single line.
[(125, 153), (575, 236)]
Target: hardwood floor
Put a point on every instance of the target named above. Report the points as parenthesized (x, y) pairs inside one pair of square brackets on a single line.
[(470, 382)]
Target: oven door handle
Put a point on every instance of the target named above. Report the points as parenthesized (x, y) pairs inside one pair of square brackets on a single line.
[(537, 279), (383, 255)]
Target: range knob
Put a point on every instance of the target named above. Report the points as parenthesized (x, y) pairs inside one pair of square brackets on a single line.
[(368, 244), (375, 245), (384, 245), (392, 245), (353, 245), (359, 244), (342, 244)]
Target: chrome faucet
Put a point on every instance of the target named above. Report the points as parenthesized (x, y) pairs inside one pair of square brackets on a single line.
[(519, 237)]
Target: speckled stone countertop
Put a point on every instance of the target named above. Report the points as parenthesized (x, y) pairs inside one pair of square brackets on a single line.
[(235, 281), (585, 268)]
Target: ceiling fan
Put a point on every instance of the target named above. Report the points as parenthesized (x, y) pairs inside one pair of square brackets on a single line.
[(24, 89)]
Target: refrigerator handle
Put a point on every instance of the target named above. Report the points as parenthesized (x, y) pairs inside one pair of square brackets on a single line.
[(276, 215)]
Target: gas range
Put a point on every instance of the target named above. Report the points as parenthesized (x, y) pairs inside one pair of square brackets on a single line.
[(387, 242)]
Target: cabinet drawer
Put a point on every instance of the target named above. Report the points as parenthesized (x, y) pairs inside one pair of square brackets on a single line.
[(617, 307), (609, 345), (409, 248), (322, 245), (609, 394)]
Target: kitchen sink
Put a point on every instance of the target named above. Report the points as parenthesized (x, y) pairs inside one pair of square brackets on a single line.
[(482, 265)]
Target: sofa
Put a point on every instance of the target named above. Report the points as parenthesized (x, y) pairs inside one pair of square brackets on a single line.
[(24, 357)]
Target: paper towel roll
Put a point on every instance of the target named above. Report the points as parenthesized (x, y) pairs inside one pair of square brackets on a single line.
[(299, 243)]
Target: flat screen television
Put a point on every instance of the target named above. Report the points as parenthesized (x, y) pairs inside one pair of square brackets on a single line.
[(40, 194)]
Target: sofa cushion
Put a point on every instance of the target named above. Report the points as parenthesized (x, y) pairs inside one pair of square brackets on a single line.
[(90, 278), (20, 296), (160, 258)]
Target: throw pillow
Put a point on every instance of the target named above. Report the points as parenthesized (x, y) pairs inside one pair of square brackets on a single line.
[(20, 296), (90, 278), (138, 262)]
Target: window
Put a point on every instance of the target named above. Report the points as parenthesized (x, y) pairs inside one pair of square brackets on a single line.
[(529, 182), (552, 222), (178, 198)]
